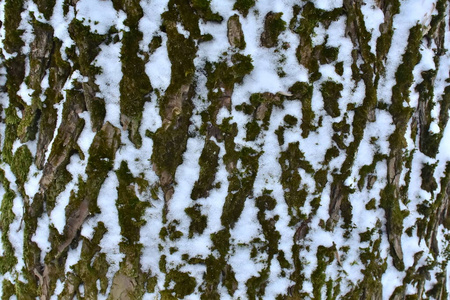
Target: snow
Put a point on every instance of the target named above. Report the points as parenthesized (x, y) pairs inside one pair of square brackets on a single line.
[(373, 18), (411, 13), (60, 24), (109, 216), (99, 15), (158, 69), (149, 23), (187, 174), (41, 235), (109, 61), (58, 214)]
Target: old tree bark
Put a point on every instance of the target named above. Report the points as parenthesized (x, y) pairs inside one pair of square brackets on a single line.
[(224, 149)]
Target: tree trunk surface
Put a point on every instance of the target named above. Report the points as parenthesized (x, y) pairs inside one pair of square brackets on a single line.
[(224, 149)]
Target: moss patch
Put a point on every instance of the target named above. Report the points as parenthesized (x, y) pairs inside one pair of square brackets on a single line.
[(12, 40), (135, 85), (331, 93), (304, 92), (273, 27), (184, 284), (241, 186), (21, 164), (208, 166), (243, 6), (198, 221), (8, 260)]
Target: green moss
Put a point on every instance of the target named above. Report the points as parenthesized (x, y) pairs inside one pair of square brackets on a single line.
[(439, 17), (27, 128), (373, 270), (221, 241), (12, 40), (203, 9), (187, 16), (325, 54), (429, 183), (201, 4), (209, 161), (163, 233), (214, 267), (256, 285), (304, 26), (135, 85), (57, 186), (101, 160), (229, 280), (92, 266), (243, 6), (241, 186), (429, 142), (198, 221), (371, 205), (368, 169), (130, 210), (321, 178), (181, 53), (253, 130), (290, 120), (304, 92), (358, 32), (290, 161), (403, 75), (170, 141), (151, 284), (272, 236), (206, 38), (273, 27), (324, 257), (26, 290), (330, 154), (394, 217), (279, 132), (88, 44), (169, 145), (172, 231), (8, 260), (46, 7), (8, 289), (155, 44), (222, 76), (331, 93), (339, 68), (385, 39), (58, 73), (242, 66), (163, 263), (21, 164), (184, 284)]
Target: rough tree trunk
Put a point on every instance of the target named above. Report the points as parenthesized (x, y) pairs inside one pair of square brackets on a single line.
[(224, 149)]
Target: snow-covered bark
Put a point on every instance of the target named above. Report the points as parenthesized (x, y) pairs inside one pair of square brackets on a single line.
[(224, 149)]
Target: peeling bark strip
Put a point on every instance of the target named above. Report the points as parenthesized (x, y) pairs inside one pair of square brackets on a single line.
[(176, 149)]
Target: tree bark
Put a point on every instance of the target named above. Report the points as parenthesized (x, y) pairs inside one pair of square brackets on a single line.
[(224, 149)]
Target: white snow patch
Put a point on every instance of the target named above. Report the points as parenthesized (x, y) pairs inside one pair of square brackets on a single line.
[(99, 15), (158, 69), (41, 235)]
